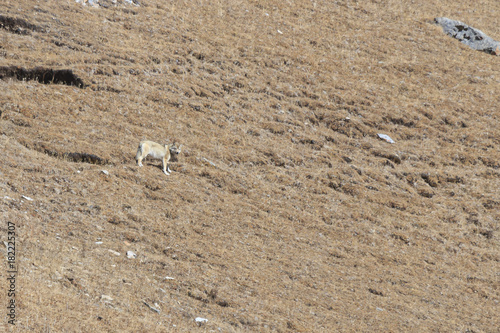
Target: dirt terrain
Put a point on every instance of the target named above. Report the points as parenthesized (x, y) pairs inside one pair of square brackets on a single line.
[(284, 212)]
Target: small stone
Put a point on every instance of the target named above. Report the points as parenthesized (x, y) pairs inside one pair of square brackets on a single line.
[(151, 307), (106, 298), (114, 252), (131, 255), (106, 172), (386, 138), (347, 159)]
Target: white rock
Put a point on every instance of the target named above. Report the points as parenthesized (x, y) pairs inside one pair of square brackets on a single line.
[(114, 252), (26, 198), (131, 255), (386, 138), (106, 172), (169, 278), (132, 2), (93, 3), (106, 298), (200, 320)]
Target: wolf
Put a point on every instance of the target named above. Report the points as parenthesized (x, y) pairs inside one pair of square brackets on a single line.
[(157, 151)]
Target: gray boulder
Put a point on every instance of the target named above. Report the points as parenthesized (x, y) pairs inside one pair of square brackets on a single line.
[(470, 36)]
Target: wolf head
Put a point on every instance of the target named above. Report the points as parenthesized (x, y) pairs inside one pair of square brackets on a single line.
[(174, 149)]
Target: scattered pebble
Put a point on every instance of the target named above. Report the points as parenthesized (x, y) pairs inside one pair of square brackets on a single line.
[(201, 320), (133, 2), (26, 198), (131, 255), (106, 298), (347, 159), (93, 3), (386, 138), (114, 252), (152, 308), (98, 243), (169, 278)]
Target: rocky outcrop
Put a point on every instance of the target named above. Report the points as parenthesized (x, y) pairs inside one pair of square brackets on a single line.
[(470, 36)]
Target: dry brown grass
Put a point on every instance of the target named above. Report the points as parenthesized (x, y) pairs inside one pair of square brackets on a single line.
[(307, 222)]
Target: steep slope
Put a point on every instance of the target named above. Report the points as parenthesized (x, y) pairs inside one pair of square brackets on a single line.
[(285, 211)]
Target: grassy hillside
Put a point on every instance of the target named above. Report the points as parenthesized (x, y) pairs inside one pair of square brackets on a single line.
[(285, 211)]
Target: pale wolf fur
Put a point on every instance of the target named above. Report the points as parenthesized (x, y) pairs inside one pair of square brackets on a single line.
[(157, 151)]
